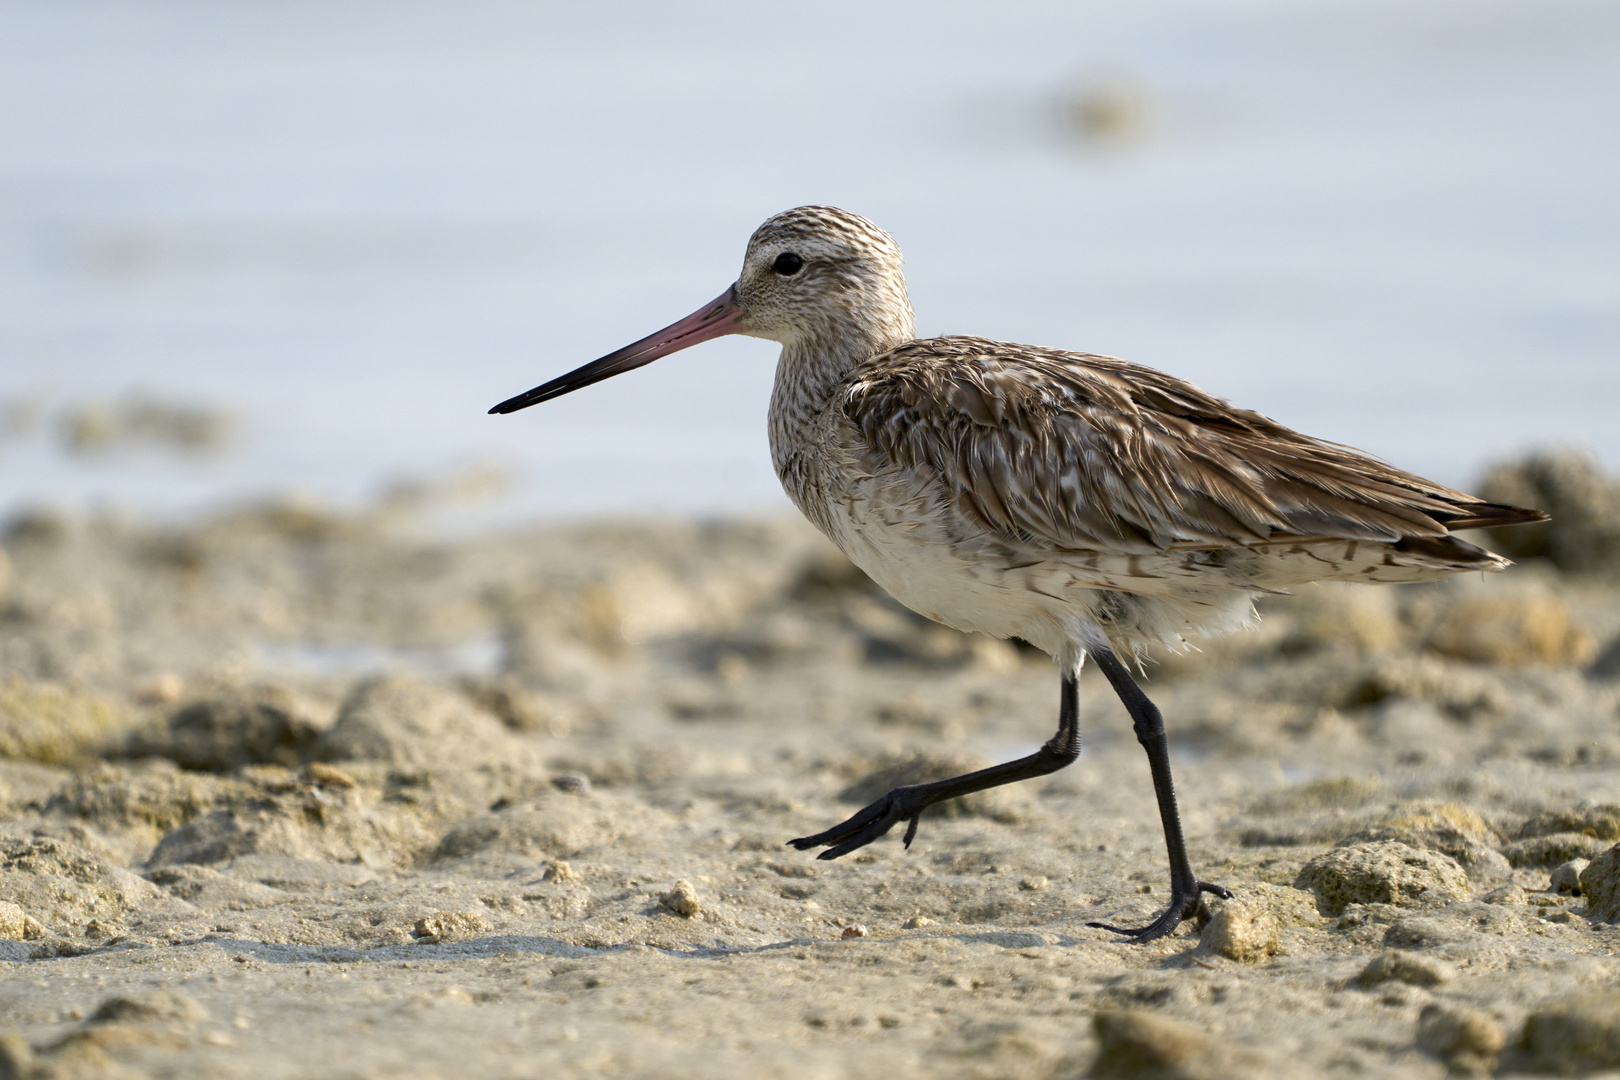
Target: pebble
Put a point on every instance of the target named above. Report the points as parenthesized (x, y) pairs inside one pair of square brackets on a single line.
[(854, 930), (1566, 877), (1414, 970), (1600, 884), (17, 925), (917, 922), (1242, 931), (682, 900), (1575, 1034), (1466, 1039), (1386, 872)]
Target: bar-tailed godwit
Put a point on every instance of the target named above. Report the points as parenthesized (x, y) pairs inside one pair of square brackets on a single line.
[(1086, 505)]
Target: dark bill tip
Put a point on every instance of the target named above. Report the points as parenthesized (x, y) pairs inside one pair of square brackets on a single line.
[(718, 317)]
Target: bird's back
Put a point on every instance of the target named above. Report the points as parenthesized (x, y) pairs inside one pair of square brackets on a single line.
[(1071, 451), (1077, 472)]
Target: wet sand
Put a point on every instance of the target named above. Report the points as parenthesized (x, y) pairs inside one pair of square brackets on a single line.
[(305, 794)]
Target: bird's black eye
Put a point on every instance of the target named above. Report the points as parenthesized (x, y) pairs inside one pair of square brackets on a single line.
[(787, 264)]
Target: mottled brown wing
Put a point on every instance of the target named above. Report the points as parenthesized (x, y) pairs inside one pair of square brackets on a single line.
[(1074, 451)]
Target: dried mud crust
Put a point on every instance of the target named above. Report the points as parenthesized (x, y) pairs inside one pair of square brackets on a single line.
[(290, 793)]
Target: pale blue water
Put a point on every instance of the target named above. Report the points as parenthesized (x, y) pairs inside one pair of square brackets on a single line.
[(359, 225)]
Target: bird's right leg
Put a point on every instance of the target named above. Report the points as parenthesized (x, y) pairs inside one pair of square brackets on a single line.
[(907, 803), (1186, 891)]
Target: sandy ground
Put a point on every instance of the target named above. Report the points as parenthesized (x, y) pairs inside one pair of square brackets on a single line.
[(297, 794)]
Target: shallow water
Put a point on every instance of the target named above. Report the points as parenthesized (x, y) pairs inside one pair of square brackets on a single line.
[(357, 226)]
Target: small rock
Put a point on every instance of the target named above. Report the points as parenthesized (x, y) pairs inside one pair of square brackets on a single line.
[(573, 783), (854, 930), (917, 922), (1466, 1039), (17, 925), (450, 926), (682, 900), (1035, 883), (1552, 849), (1600, 884), (1242, 931), (1396, 966), (1575, 1034), (1136, 1043), (1386, 872), (1566, 877)]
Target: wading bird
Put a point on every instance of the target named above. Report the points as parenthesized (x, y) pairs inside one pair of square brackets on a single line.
[(1086, 505)]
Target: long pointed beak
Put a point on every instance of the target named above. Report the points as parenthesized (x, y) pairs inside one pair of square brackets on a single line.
[(715, 319)]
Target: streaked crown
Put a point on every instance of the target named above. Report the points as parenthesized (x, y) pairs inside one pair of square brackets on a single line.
[(819, 276)]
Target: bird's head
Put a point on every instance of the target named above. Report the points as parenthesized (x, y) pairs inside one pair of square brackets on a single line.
[(814, 277)]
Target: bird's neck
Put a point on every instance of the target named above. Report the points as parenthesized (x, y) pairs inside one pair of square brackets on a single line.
[(807, 381)]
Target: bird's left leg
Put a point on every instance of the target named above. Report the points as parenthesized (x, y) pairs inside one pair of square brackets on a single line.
[(1186, 891), (907, 803)]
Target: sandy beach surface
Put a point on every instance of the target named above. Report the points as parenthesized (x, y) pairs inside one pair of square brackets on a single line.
[(293, 793)]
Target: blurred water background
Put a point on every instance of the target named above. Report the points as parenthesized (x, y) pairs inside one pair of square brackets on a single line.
[(297, 245)]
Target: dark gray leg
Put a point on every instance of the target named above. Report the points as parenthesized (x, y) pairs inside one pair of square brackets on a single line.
[(908, 803), (1186, 891)]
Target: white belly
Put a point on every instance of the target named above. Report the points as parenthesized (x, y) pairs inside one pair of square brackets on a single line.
[(917, 552)]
